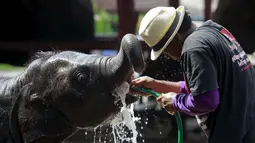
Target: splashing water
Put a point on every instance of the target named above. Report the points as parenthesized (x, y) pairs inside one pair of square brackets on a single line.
[(95, 134), (125, 119)]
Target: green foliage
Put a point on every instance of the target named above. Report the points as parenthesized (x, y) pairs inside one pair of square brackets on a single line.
[(105, 22), (5, 67)]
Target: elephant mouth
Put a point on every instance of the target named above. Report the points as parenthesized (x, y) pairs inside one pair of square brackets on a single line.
[(132, 76), (122, 92)]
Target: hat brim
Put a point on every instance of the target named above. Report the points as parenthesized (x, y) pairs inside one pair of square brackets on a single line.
[(156, 54)]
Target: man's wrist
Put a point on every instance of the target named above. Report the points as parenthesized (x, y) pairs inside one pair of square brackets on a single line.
[(174, 105)]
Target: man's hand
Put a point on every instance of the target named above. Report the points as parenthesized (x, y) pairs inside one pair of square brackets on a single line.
[(159, 86), (145, 82), (167, 100)]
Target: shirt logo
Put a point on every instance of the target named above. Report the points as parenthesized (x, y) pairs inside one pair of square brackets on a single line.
[(239, 55)]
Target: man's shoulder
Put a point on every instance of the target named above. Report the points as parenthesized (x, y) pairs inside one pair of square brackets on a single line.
[(201, 36), (203, 30), (207, 27), (211, 23), (194, 40)]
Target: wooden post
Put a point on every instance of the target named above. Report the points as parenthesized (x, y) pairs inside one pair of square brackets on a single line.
[(174, 3), (207, 9), (127, 17)]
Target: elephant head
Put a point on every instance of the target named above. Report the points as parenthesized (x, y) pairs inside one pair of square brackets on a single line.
[(81, 88)]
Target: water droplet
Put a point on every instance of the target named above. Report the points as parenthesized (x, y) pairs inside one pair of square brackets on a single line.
[(95, 132), (100, 134), (141, 135)]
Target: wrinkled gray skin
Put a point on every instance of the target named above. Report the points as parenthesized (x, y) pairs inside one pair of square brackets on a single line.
[(62, 91)]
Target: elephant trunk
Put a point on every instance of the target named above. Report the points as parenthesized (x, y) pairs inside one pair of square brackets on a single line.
[(128, 60)]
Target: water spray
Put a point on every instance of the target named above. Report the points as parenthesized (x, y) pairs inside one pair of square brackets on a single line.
[(177, 114)]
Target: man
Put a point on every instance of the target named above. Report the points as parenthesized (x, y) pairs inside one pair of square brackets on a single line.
[(219, 79)]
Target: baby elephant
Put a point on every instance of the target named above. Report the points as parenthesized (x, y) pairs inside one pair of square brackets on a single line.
[(60, 92)]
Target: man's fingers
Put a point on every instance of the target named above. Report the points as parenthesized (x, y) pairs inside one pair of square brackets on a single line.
[(159, 99), (162, 100), (170, 95), (169, 109), (136, 82), (165, 102), (139, 83)]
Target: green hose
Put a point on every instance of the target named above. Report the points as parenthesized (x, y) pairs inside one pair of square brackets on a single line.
[(177, 114)]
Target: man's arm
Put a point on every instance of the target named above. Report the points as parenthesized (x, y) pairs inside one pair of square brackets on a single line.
[(196, 105), (162, 86), (200, 71)]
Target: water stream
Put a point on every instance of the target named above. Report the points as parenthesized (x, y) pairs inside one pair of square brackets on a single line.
[(123, 125), (125, 121)]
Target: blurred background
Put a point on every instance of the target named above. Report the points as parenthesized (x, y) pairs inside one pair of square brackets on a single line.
[(96, 27)]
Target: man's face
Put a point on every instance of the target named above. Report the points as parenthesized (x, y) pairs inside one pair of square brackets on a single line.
[(174, 48)]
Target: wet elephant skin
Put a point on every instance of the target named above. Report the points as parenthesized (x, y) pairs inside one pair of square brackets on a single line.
[(61, 91)]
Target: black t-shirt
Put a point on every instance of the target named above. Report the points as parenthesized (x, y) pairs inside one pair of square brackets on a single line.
[(213, 59)]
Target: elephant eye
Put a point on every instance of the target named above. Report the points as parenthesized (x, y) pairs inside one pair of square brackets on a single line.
[(81, 75)]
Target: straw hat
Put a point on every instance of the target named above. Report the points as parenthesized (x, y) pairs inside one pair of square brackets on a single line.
[(159, 26)]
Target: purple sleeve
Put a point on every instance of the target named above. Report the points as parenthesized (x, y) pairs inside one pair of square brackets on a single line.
[(183, 88), (199, 104)]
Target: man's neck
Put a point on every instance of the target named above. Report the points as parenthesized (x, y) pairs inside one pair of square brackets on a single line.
[(192, 28)]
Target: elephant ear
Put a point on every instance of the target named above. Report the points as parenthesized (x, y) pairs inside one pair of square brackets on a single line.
[(13, 116), (36, 120)]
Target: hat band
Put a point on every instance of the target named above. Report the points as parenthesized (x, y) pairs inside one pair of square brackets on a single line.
[(168, 34)]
